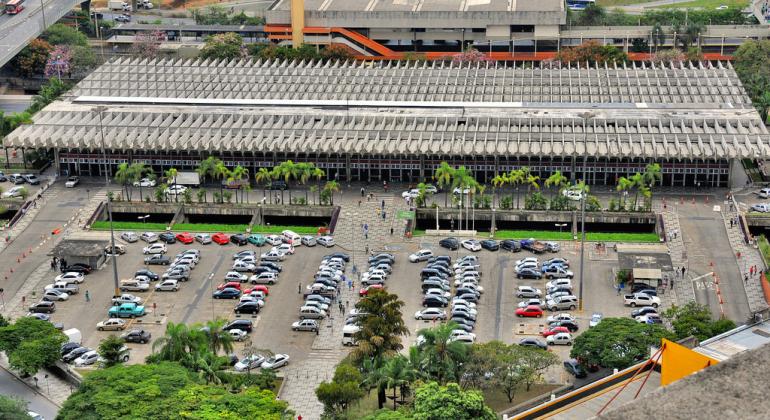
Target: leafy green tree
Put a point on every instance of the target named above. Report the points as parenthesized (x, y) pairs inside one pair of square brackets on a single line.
[(123, 176), (532, 363), (557, 181), (387, 414), (13, 408), (535, 201), (139, 171), (112, 350), (443, 176), (433, 401), (31, 344), (49, 92), (592, 52), (336, 52), (344, 389), (693, 319), (217, 338), (624, 184), (398, 373), (181, 344), (60, 34), (217, 403), (3, 321), (752, 64), (441, 358), (227, 46), (31, 60), (220, 172), (331, 187), (381, 327), (83, 59), (617, 343)]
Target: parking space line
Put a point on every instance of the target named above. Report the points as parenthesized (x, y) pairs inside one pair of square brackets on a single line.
[(199, 293), (501, 262)]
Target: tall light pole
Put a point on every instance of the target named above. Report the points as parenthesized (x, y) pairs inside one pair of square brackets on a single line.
[(583, 195), (42, 10), (99, 110)]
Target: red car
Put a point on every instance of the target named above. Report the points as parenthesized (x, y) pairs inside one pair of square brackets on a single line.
[(233, 284), (554, 330), (365, 290), (258, 287), (220, 238), (530, 311), (185, 238)]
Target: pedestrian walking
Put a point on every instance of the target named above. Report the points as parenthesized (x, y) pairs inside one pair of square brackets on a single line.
[(350, 285), (746, 278), (366, 249), (672, 283), (359, 203), (355, 269), (346, 304), (391, 231), (366, 235), (53, 264), (683, 271), (384, 215), (362, 192), (299, 288), (383, 204), (618, 289), (88, 296), (732, 223)]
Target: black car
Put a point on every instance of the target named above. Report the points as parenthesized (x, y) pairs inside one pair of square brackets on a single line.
[(167, 237), (643, 288), (439, 268), (262, 269), (570, 325), (68, 347), (533, 342), (490, 244), (74, 354), (227, 293), (470, 297), (78, 268), (147, 273), (270, 264), (574, 368), (643, 311), (43, 307), (449, 243), (529, 273), (510, 245), (239, 239), (445, 258), (434, 301), (239, 324), (277, 185), (137, 336), (466, 290), (247, 308), (463, 321), (345, 257), (157, 259)]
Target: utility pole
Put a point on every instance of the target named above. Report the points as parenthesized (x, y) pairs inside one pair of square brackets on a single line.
[(116, 292)]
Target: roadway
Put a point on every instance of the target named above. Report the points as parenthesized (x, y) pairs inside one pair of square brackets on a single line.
[(17, 30), (13, 386)]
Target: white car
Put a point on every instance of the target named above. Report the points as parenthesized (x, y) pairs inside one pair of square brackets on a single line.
[(70, 277), (528, 292), (457, 191), (86, 359), (414, 193), (471, 245), (276, 361), (273, 255), (286, 249), (129, 237), (127, 298), (462, 336), (13, 192), (561, 317), (264, 278), (533, 302), (761, 207), (145, 182), (203, 238), (55, 295), (326, 241), (562, 338), (596, 318), (571, 194), (526, 265), (559, 283), (527, 260), (236, 276), (274, 240), (167, 286), (149, 237), (252, 298), (238, 335), (175, 189), (305, 325), (112, 324), (155, 249), (457, 301), (243, 266), (421, 255), (430, 313), (437, 292), (71, 182), (249, 362)]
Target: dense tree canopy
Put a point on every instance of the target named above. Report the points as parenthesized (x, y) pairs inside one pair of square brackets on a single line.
[(617, 343), (752, 64), (695, 320), (164, 391), (226, 46), (433, 402), (60, 34), (31, 344), (12, 409), (31, 60)]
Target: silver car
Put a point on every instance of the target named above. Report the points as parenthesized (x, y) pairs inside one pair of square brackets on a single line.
[(308, 240), (129, 237), (149, 237), (203, 238), (305, 325)]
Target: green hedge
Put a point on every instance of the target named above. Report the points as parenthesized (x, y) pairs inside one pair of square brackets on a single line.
[(547, 235), (139, 226), (209, 227), (300, 230)]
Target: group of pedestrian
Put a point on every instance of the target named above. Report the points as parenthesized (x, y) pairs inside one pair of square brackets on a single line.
[(679, 272), (753, 272), (673, 234)]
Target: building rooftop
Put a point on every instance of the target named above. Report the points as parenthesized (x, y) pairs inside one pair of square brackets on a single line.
[(425, 5), (693, 111), (79, 248)]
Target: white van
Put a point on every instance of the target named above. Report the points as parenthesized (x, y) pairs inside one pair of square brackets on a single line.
[(348, 331), (292, 238)]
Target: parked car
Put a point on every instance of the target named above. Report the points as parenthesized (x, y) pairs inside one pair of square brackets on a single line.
[(253, 361), (70, 277), (126, 298), (157, 259), (553, 331), (137, 336), (256, 239), (167, 286), (126, 310), (32, 179), (175, 189), (239, 324), (220, 238), (117, 249), (71, 182), (133, 285), (77, 268), (276, 361), (226, 293), (573, 367), (203, 238), (238, 335), (86, 359), (421, 255), (561, 338), (156, 248), (239, 239), (305, 325), (643, 311), (274, 240), (490, 244), (185, 238), (510, 245), (12, 192), (529, 312), (167, 237), (149, 237), (471, 245), (572, 326), (74, 354), (273, 255), (529, 273), (649, 319), (326, 241), (111, 324), (248, 307), (146, 273), (145, 182), (129, 237), (306, 240), (596, 318), (430, 314), (528, 292), (449, 243), (43, 307), (533, 342)]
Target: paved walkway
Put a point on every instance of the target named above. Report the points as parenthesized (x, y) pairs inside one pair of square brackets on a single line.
[(327, 351), (749, 256), (682, 291)]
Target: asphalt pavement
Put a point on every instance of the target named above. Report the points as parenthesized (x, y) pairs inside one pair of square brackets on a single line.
[(12, 386)]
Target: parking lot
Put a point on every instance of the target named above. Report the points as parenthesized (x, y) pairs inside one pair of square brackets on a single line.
[(193, 302)]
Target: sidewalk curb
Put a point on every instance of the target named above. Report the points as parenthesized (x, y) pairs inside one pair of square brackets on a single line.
[(37, 391)]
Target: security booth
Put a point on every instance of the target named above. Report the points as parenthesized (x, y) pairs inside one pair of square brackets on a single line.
[(75, 251), (648, 264)]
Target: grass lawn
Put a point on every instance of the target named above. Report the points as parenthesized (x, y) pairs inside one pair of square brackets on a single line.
[(300, 230), (764, 247), (707, 4), (548, 235), (209, 227), (139, 226), (612, 3)]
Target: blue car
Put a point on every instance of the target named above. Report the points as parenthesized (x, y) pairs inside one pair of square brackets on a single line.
[(227, 293), (549, 267)]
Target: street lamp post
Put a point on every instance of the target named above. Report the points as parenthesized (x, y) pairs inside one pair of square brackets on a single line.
[(99, 111), (560, 226)]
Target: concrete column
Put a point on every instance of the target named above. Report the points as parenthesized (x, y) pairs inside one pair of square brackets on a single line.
[(494, 225), (347, 167), (56, 163), (574, 223), (422, 168), (297, 12)]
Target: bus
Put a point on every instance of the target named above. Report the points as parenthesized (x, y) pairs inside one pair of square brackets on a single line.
[(579, 4), (13, 7)]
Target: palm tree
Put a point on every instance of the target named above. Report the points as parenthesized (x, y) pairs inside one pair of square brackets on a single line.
[(331, 187), (138, 171), (112, 350), (220, 172), (262, 177), (123, 176), (381, 329), (318, 173), (556, 180), (237, 174), (286, 170), (515, 177), (463, 179), (374, 378), (657, 35), (206, 167), (171, 174), (652, 174), (216, 338), (210, 368), (443, 176), (397, 374), (624, 184), (638, 181), (532, 181), (498, 182), (178, 344), (442, 357)]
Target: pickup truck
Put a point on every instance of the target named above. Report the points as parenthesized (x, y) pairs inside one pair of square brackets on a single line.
[(126, 298), (126, 310), (534, 246), (641, 299), (63, 286)]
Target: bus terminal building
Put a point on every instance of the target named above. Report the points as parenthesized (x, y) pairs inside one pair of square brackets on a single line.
[(397, 121)]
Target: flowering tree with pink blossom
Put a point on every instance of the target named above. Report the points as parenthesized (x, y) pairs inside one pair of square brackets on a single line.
[(147, 44), (58, 62), (471, 55)]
